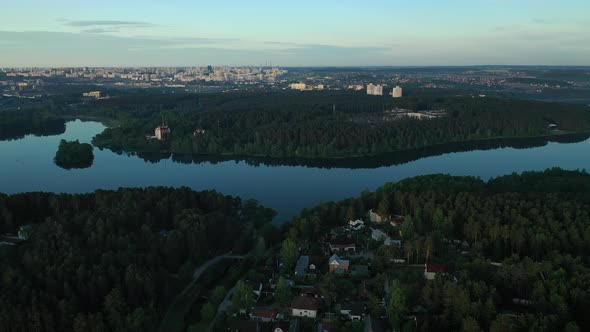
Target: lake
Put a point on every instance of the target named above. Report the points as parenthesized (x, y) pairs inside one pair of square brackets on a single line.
[(26, 164)]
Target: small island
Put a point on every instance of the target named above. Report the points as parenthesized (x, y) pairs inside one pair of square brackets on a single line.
[(74, 155)]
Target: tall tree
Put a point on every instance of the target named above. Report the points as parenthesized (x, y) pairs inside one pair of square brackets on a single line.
[(283, 292), (396, 304), (242, 296), (289, 253)]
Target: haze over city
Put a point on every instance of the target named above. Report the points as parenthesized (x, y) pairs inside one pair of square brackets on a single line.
[(302, 33)]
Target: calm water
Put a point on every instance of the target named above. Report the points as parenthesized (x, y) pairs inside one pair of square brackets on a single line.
[(27, 165)]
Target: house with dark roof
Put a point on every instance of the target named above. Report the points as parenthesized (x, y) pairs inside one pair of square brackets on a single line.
[(431, 270), (264, 314), (338, 265), (302, 266), (342, 244), (353, 310), (303, 306)]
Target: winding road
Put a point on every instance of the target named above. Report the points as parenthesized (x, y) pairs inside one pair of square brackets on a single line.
[(174, 319)]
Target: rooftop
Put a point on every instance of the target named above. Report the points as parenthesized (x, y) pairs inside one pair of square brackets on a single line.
[(304, 303)]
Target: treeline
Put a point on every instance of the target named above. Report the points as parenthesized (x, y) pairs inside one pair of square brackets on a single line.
[(535, 227), (112, 260), (326, 125), (17, 124), (300, 125)]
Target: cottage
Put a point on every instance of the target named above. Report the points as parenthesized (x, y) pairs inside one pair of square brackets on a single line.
[(431, 270), (381, 236), (378, 235), (397, 220), (302, 266), (356, 225), (199, 132), (338, 265), (353, 310), (342, 244), (303, 306), (360, 271), (376, 217), (264, 315)]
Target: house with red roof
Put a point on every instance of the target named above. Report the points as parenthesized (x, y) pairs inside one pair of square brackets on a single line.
[(264, 314), (431, 270), (304, 306)]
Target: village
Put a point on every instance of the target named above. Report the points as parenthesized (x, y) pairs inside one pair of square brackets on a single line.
[(341, 284)]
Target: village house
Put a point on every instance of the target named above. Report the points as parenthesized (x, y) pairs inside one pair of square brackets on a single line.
[(199, 132), (303, 306), (431, 270), (353, 310), (375, 217), (342, 244), (356, 225), (264, 315), (338, 265), (397, 220), (302, 266), (381, 236)]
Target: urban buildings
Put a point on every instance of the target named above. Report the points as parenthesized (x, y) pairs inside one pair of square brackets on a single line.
[(396, 92), (298, 86), (375, 90), (91, 94)]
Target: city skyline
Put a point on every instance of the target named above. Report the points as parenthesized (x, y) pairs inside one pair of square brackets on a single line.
[(330, 33)]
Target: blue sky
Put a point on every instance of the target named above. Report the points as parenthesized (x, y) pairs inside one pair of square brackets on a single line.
[(294, 33)]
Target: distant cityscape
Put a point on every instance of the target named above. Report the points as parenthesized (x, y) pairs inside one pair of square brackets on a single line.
[(97, 82)]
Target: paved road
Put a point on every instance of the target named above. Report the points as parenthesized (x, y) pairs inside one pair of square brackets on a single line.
[(174, 319), (222, 308)]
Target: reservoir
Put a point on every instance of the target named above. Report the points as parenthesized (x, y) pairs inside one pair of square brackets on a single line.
[(26, 164)]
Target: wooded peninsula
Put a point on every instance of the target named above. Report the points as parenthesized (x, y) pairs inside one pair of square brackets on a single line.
[(308, 125)]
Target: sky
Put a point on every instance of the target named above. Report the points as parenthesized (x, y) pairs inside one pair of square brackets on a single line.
[(294, 33)]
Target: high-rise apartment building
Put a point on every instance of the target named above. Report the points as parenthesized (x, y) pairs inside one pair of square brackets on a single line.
[(375, 90)]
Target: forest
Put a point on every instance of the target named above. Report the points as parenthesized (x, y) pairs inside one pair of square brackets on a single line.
[(335, 125), (74, 154), (17, 124), (112, 260), (516, 249), (306, 125)]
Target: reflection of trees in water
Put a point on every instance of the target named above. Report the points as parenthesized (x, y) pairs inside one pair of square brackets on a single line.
[(19, 128), (383, 160)]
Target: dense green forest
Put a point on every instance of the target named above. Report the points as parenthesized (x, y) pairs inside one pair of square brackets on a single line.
[(112, 260), (516, 248), (315, 125), (74, 154), (307, 125), (17, 124)]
